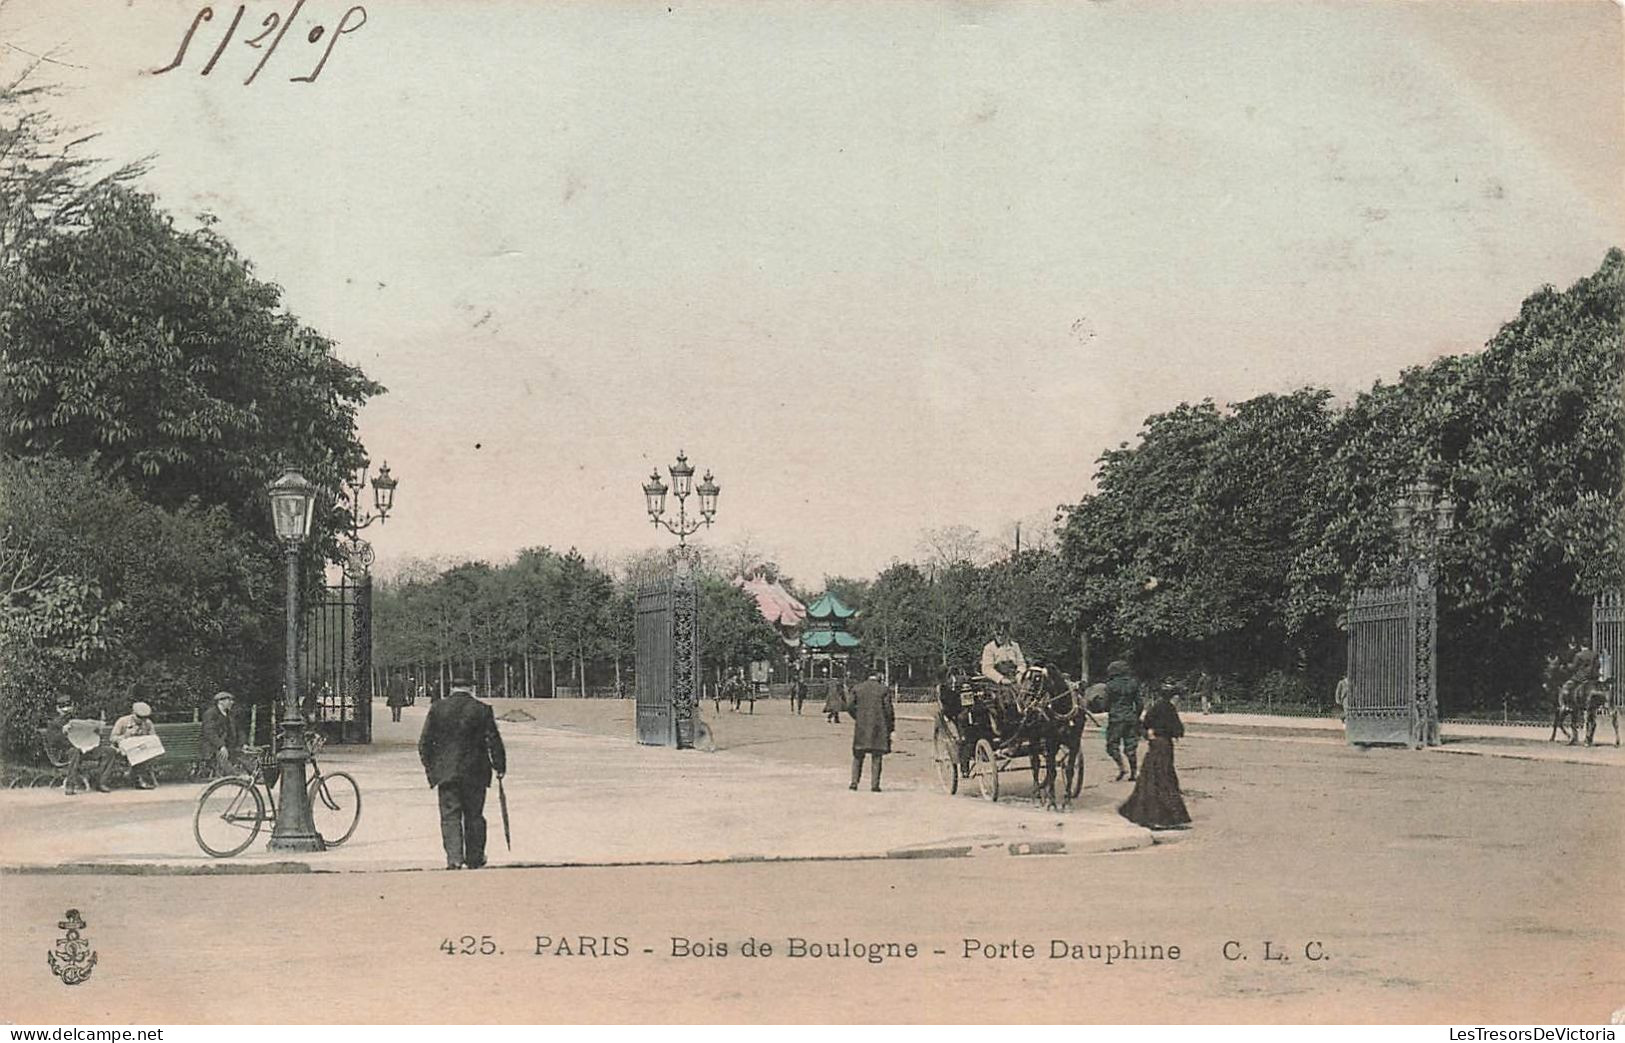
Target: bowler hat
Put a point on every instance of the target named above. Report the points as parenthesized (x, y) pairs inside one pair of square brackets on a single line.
[(462, 679)]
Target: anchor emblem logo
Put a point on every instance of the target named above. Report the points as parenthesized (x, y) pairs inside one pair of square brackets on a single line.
[(73, 959)]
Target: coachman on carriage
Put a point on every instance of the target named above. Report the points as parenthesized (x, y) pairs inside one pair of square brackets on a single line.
[(991, 724)]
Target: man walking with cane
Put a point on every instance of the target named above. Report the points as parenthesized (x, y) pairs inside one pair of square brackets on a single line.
[(459, 748)]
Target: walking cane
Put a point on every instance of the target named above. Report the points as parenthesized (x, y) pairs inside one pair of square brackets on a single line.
[(502, 801)]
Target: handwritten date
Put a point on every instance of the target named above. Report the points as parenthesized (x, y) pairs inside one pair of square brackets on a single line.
[(271, 31)]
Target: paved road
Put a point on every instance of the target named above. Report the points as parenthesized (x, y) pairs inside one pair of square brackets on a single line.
[(1463, 889)]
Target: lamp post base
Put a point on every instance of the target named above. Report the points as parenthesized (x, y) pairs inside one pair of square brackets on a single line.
[(306, 843), (295, 828)]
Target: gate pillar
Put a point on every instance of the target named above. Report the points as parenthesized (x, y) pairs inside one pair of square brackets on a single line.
[(360, 724)]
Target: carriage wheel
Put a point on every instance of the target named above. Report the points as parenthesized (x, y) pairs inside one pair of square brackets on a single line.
[(945, 750), (986, 770)]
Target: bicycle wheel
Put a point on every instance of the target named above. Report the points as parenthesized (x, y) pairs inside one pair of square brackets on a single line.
[(228, 817), (335, 805)]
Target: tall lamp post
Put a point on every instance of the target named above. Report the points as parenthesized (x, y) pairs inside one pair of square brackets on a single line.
[(358, 559), (682, 656), (682, 484), (293, 499), (1421, 517)]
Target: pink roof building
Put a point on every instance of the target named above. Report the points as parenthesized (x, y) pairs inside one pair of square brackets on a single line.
[(777, 605)]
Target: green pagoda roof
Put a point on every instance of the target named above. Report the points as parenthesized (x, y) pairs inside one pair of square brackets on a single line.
[(828, 638), (829, 607)]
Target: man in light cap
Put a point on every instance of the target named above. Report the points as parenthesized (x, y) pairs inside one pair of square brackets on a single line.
[(137, 722), (222, 739), (460, 747)]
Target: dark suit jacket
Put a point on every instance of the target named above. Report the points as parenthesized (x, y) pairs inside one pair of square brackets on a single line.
[(219, 730), (460, 741), (873, 717)]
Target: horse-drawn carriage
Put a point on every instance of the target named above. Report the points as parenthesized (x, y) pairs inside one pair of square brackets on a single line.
[(984, 728)]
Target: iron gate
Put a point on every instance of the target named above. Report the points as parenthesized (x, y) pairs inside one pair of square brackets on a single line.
[(336, 661), (668, 661), (1390, 667), (1608, 638)]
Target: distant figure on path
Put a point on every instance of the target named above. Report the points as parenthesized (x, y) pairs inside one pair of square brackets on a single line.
[(396, 700), (1341, 695), (1204, 691), (874, 718), (1123, 704), (1580, 692), (798, 695), (834, 702), (1156, 801), (459, 747)]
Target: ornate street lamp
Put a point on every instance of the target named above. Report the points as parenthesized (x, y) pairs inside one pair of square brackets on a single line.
[(682, 485), (359, 554), (293, 499), (1421, 517)]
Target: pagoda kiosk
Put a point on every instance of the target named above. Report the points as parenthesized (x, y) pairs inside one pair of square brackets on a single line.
[(825, 640)]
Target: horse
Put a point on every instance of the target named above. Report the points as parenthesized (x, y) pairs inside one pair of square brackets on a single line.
[(1052, 718)]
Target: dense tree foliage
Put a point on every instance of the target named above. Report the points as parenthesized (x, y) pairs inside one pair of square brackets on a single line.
[(156, 354), (1234, 537), (150, 387), (545, 621), (155, 604)]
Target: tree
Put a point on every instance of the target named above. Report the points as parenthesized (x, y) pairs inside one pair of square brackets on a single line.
[(156, 354), (950, 545), (47, 181), (110, 599), (896, 623), (732, 630)]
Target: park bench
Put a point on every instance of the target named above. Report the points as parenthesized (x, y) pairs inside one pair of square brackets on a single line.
[(180, 760)]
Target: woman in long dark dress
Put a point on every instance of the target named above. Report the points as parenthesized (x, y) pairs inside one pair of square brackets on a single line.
[(1156, 801)]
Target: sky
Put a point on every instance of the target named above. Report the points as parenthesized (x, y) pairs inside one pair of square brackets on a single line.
[(881, 267)]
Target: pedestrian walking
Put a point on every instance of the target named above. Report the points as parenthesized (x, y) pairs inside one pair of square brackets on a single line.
[(834, 701), (1578, 692), (1156, 802), (396, 700), (874, 718), (460, 747), (1341, 695), (798, 695), (1123, 705)]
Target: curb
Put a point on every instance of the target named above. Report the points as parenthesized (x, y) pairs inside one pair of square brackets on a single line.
[(1127, 839)]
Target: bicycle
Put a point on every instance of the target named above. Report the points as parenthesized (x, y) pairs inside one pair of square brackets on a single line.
[(232, 810)]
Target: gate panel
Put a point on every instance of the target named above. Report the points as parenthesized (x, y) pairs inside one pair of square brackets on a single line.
[(668, 650), (1608, 638), (1382, 667), (656, 725), (335, 660)]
